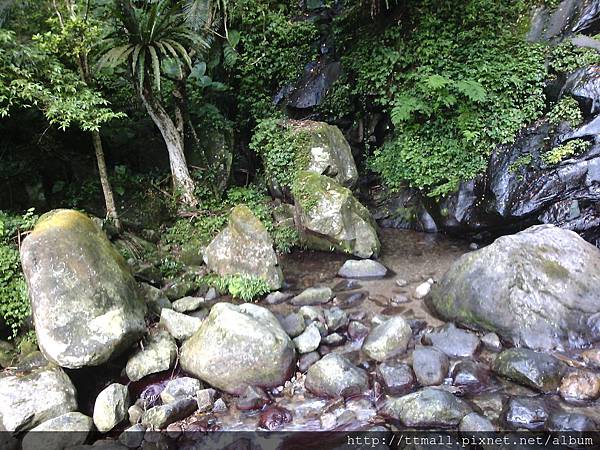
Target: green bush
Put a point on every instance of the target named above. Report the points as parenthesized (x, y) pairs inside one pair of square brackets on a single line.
[(560, 153), (244, 287), (566, 110)]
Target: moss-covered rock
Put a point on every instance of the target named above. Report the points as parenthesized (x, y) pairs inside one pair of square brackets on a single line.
[(244, 247), (331, 218), (85, 301)]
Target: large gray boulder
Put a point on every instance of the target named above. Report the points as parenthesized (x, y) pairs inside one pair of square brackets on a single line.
[(237, 347), (537, 288), (69, 430), (331, 218), (244, 247), (30, 397), (85, 301)]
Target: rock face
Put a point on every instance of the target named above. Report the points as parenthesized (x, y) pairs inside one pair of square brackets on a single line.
[(85, 301), (239, 346), (335, 376), (329, 217), (28, 399), (537, 288), (244, 247)]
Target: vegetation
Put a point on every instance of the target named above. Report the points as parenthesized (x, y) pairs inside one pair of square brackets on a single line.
[(561, 152), (243, 287)]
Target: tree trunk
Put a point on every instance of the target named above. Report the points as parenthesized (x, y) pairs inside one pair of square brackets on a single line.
[(182, 181), (109, 199)]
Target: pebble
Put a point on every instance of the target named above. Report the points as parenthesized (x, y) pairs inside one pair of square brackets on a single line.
[(423, 289), (430, 366), (309, 340), (580, 386)]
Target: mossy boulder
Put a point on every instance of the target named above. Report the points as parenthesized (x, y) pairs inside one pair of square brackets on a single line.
[(85, 301), (331, 218), (538, 289), (244, 247), (237, 347)]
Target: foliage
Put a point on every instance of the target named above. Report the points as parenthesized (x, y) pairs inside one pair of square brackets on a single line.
[(566, 110), (567, 57), (560, 153), (14, 301), (244, 287)]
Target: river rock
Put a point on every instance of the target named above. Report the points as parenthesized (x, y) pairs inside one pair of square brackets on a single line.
[(293, 324), (158, 354), (476, 423), (423, 289), (180, 326), (430, 366), (335, 376), (428, 407), (454, 342), (309, 340), (533, 369), (537, 288), (397, 378), (526, 412), (307, 360), (31, 397), (335, 318), (85, 302), (252, 398), (312, 296), (205, 398), (366, 268), (470, 376), (357, 330), (111, 407), (571, 422), (187, 304), (133, 436), (239, 346), (387, 339), (580, 385), (244, 247), (180, 388), (277, 297), (330, 217), (159, 417), (491, 342), (64, 431)]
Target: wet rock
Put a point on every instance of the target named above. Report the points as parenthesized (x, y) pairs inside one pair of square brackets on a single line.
[(156, 300), (471, 376), (211, 294), (205, 399), (309, 340), (133, 436), (85, 302), (274, 418), (312, 296), (158, 353), (244, 247), (400, 299), (366, 268), (335, 318), (307, 360), (591, 357), (526, 412), (347, 285), (159, 417), (330, 217), (423, 289), (397, 378), (334, 376), (277, 297), (110, 408), (293, 324), (347, 300), (180, 326), (535, 288), (187, 304), (64, 431), (357, 330), (220, 406), (180, 388), (239, 346), (430, 366), (476, 423), (252, 398), (491, 342), (387, 339), (580, 386), (570, 422), (333, 339), (533, 369), (454, 342), (428, 407), (30, 398)]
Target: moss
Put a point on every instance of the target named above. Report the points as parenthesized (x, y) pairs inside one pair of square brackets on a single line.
[(554, 269)]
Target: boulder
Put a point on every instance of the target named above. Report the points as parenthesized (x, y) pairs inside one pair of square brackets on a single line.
[(536, 370), (111, 407), (427, 408), (239, 346), (180, 326), (159, 417), (64, 431), (330, 217), (335, 376), (85, 301), (158, 354), (366, 268), (537, 288), (244, 247), (387, 339), (396, 378), (309, 340), (454, 342), (530, 413), (30, 397), (312, 296)]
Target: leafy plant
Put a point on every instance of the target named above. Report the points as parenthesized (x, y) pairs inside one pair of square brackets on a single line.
[(560, 153), (566, 110), (244, 287)]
